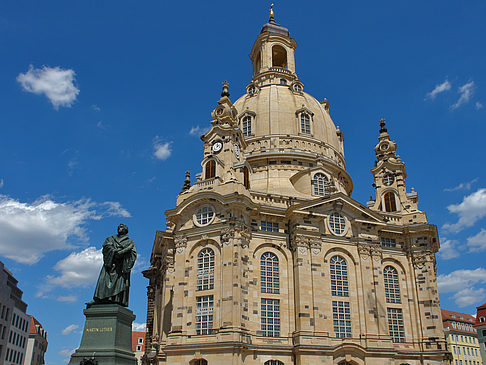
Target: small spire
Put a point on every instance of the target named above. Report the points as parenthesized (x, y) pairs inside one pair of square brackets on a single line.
[(187, 182), (382, 126), (272, 15), (225, 89)]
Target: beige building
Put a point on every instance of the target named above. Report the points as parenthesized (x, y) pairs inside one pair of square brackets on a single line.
[(462, 338), (267, 259)]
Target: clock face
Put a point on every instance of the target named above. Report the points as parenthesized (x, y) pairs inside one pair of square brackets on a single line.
[(217, 146), (237, 150)]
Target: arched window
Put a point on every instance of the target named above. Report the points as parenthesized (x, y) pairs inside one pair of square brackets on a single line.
[(274, 362), (320, 184), (205, 269), (246, 177), (210, 169), (337, 223), (481, 319), (305, 123), (279, 56), (392, 285), (246, 126), (390, 204), (339, 277), (200, 362), (269, 273)]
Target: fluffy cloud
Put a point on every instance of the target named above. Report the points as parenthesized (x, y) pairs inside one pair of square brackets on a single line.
[(469, 296), (445, 86), (462, 283), (478, 105), (29, 230), (55, 83), (69, 329), (197, 131), (463, 186), (139, 327), (67, 298), (448, 249), (465, 91), (79, 269), (66, 352), (162, 151), (477, 243), (470, 210), (1, 183)]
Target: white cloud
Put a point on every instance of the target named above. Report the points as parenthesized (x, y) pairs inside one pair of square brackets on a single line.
[(66, 352), (197, 131), (55, 83), (95, 108), (69, 329), (79, 269), (466, 91), (100, 125), (448, 249), (460, 279), (29, 230), (1, 183), (462, 186), (445, 86), (470, 210), (67, 298), (477, 243), (469, 296), (162, 151), (478, 105), (139, 327)]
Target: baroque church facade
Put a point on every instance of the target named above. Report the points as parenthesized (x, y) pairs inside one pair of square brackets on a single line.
[(267, 259)]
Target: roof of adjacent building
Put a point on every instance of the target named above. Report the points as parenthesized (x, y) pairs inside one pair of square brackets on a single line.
[(481, 313), (135, 336), (36, 327), (450, 316)]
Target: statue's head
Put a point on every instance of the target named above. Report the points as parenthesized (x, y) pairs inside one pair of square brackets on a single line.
[(122, 229)]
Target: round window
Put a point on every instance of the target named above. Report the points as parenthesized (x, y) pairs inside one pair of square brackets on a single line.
[(337, 223), (384, 147), (388, 179), (204, 215)]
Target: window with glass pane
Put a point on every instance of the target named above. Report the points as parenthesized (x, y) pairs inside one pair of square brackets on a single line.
[(395, 324), (337, 223), (270, 317), (392, 285), (320, 184), (269, 273), (388, 242), (305, 123), (246, 126), (210, 169), (339, 277), (201, 362), (390, 204), (204, 215), (341, 317), (274, 362), (204, 315), (269, 226), (205, 269)]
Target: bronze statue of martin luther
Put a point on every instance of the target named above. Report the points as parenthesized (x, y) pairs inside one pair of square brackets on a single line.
[(119, 255)]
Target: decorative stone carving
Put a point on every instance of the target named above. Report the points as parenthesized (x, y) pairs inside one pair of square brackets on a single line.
[(315, 246), (227, 236), (364, 251), (180, 244)]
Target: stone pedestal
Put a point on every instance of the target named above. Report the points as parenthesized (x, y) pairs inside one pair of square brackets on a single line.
[(107, 336)]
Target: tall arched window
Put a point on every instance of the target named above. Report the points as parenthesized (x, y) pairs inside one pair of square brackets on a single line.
[(246, 177), (246, 126), (201, 362), (390, 203), (205, 269), (339, 277), (269, 273), (274, 362), (305, 123), (392, 285), (320, 184), (210, 169), (279, 56)]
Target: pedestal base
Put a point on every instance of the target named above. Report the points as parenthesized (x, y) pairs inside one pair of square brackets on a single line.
[(107, 336)]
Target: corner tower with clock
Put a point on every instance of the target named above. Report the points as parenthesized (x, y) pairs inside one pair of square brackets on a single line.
[(268, 260)]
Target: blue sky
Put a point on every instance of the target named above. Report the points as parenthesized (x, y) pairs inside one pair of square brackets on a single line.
[(98, 102)]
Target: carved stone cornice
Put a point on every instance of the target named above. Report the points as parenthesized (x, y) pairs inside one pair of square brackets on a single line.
[(301, 244), (180, 243), (420, 259), (227, 236)]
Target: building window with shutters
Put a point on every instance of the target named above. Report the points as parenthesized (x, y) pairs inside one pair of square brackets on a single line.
[(390, 202), (210, 170)]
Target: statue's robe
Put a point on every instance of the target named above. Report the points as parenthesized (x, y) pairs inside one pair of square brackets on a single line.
[(119, 255)]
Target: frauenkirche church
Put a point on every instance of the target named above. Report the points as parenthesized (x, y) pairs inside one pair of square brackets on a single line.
[(268, 260)]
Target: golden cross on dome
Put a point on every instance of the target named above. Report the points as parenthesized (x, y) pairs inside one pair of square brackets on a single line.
[(272, 15)]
